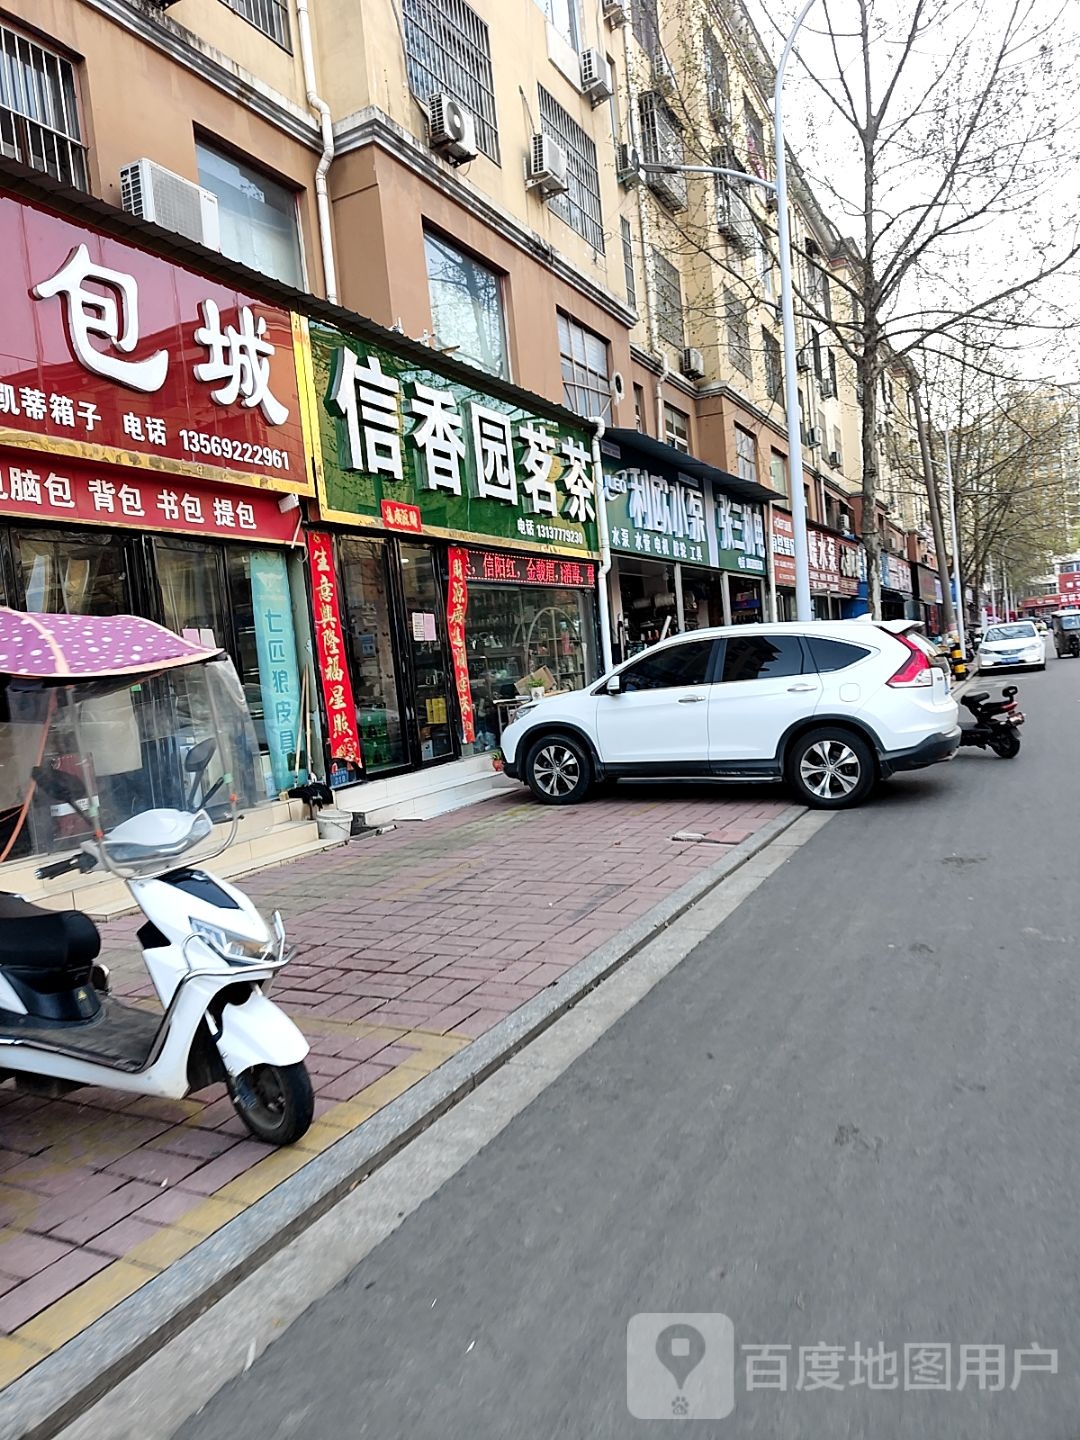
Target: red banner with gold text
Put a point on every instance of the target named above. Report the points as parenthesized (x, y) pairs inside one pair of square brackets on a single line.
[(456, 605), (330, 652)]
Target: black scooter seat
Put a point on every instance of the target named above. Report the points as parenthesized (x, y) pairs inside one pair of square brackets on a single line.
[(977, 699), (49, 951)]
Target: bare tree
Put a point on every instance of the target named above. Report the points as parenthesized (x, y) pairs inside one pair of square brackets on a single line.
[(939, 134)]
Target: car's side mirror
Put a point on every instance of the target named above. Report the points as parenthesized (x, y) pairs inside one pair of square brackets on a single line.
[(614, 685)]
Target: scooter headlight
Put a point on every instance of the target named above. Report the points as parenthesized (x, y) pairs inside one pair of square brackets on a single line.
[(227, 943)]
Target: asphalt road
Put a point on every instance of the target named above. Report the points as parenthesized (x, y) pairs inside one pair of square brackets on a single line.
[(849, 1117)]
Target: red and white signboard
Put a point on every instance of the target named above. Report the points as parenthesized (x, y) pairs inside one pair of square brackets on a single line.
[(80, 493), (112, 353), (783, 549)]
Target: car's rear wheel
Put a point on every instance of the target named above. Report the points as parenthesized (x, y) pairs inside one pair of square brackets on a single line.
[(831, 768), (558, 770)]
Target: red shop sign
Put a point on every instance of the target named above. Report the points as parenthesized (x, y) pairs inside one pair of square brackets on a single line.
[(457, 603), (330, 652), (783, 548), (40, 487), (113, 353), (495, 566), (402, 517)]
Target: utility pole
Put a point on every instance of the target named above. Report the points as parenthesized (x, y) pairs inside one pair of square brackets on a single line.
[(948, 614)]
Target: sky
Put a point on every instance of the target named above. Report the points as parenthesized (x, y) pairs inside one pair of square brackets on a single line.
[(1027, 144)]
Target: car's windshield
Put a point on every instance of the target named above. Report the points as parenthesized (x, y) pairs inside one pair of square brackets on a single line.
[(1024, 630)]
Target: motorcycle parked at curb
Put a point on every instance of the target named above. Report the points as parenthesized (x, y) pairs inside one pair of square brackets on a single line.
[(134, 745), (997, 722)]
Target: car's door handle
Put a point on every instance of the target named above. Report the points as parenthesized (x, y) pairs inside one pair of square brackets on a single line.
[(691, 699), (799, 689)]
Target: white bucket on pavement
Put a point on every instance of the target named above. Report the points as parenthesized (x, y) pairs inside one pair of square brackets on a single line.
[(334, 824)]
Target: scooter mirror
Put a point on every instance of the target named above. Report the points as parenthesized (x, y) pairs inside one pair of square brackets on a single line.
[(199, 756)]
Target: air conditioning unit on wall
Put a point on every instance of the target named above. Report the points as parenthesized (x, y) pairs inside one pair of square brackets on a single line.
[(692, 363), (451, 129), (596, 77), (155, 194), (547, 167), (617, 12)]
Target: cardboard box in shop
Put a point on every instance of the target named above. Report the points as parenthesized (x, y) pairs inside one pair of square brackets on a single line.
[(540, 676)]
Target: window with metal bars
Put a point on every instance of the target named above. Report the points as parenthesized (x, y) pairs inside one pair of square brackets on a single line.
[(774, 369), (628, 261), (647, 25), (669, 306), (738, 333), (662, 144), (448, 51), (584, 359), (717, 93), (580, 205), (39, 113), (269, 16)]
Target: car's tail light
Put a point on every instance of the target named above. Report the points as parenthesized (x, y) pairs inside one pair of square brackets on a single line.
[(916, 671)]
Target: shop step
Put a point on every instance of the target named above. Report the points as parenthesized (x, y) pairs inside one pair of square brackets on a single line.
[(469, 789), (381, 791)]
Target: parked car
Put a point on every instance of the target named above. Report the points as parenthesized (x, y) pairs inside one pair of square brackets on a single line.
[(830, 707), (1014, 645)]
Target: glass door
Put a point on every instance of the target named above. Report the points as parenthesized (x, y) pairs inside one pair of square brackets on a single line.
[(369, 638), (429, 660)]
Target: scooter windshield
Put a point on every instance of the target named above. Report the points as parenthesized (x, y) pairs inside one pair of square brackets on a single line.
[(153, 764)]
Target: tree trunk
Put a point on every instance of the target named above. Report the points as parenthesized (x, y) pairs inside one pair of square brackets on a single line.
[(948, 615), (871, 535)]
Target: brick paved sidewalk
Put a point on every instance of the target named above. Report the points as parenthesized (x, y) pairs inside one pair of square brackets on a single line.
[(408, 946)]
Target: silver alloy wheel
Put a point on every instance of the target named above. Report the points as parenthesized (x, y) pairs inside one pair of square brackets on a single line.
[(556, 769), (830, 769)]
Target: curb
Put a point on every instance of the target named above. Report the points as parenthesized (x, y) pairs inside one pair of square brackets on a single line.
[(61, 1386)]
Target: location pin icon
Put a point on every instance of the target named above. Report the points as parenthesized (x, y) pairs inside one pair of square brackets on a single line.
[(680, 1349)]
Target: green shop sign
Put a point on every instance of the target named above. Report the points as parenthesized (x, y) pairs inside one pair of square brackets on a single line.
[(740, 534), (405, 447), (656, 515)]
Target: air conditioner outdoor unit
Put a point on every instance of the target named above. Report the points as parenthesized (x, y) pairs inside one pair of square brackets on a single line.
[(628, 166), (828, 389), (595, 77), (153, 193), (617, 12), (692, 364), (813, 437), (802, 361), (451, 129), (834, 459), (663, 76), (547, 167)]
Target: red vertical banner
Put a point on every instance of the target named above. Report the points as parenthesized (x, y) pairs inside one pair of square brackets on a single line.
[(330, 652), (456, 605)]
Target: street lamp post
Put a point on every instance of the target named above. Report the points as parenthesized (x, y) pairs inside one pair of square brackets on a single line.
[(803, 604)]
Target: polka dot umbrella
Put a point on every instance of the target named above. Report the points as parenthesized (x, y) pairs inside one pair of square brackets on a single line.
[(69, 647)]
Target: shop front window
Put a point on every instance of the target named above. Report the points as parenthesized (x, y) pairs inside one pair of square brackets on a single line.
[(72, 574), (425, 618), (366, 616), (518, 637), (238, 600)]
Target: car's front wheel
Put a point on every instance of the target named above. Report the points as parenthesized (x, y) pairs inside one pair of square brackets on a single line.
[(558, 770), (831, 768)]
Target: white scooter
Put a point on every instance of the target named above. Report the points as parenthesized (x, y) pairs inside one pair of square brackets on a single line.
[(210, 954)]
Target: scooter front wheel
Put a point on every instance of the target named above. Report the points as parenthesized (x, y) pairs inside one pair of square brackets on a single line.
[(275, 1102)]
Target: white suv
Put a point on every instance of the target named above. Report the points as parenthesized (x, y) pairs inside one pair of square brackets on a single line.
[(830, 707)]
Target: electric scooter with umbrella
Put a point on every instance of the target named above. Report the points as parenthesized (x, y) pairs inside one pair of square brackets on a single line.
[(130, 748)]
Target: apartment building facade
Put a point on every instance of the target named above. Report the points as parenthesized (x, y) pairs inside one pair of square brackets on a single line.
[(469, 177)]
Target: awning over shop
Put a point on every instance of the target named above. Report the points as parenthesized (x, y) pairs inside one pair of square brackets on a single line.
[(653, 452)]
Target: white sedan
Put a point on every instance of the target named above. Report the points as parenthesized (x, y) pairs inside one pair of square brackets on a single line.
[(1013, 646)]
